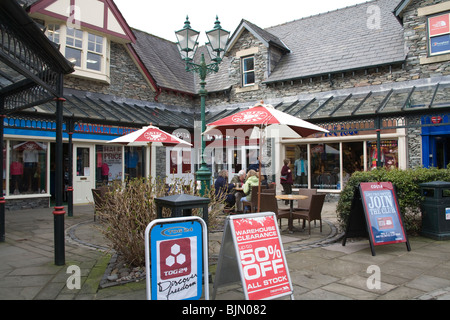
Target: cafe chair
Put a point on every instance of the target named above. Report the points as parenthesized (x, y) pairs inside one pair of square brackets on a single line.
[(303, 205), (253, 203), (314, 212), (270, 204)]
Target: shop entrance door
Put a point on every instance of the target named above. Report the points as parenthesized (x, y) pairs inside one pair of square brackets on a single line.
[(84, 173), (442, 151)]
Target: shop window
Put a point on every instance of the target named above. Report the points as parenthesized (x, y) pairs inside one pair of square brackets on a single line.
[(389, 154), (108, 164), (134, 162), (300, 166), (352, 158), (325, 164), (248, 71), (28, 167), (180, 161), (439, 34)]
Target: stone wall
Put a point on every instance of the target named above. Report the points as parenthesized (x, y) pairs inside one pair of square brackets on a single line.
[(127, 81), (29, 203), (416, 38)]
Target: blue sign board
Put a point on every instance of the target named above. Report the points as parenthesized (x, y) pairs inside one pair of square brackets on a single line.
[(175, 258), (440, 44)]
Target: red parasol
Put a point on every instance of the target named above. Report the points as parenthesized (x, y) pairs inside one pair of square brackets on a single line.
[(264, 118), (147, 136)]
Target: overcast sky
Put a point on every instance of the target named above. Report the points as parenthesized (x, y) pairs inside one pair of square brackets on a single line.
[(162, 18)]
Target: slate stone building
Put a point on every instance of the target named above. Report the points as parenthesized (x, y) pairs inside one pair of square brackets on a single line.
[(373, 73)]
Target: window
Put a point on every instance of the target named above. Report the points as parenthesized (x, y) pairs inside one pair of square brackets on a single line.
[(325, 164), (108, 163), (439, 34), (74, 46), (53, 32), (134, 162), (95, 52), (389, 154), (28, 167), (248, 71), (86, 50)]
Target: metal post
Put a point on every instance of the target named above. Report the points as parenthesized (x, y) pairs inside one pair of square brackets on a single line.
[(378, 130), (2, 198), (203, 174), (58, 213), (70, 129)]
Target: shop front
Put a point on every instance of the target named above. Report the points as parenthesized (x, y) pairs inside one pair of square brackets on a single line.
[(436, 141), (326, 162)]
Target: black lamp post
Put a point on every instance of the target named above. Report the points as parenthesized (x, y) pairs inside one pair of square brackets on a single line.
[(187, 46)]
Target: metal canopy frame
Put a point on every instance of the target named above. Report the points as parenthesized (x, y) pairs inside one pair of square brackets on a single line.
[(32, 70)]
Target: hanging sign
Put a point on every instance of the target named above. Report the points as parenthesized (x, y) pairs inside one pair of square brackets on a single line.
[(375, 213), (252, 252), (176, 255)]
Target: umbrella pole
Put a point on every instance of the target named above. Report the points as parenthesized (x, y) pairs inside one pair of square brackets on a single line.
[(150, 161), (259, 171)]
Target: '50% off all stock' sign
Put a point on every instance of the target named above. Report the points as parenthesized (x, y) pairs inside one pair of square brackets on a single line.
[(262, 261)]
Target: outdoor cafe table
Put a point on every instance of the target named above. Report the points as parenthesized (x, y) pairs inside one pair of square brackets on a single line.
[(291, 198)]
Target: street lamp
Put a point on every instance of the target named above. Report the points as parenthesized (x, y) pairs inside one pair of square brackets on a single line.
[(187, 46)]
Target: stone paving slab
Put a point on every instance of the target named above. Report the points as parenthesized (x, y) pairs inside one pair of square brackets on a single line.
[(320, 267)]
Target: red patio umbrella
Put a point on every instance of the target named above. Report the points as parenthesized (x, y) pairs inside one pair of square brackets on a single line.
[(148, 135), (264, 118)]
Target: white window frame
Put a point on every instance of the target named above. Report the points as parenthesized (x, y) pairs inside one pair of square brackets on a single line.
[(245, 72), (435, 36), (83, 71)]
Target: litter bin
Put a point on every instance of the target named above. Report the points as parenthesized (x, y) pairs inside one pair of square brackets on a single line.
[(181, 205), (436, 210)]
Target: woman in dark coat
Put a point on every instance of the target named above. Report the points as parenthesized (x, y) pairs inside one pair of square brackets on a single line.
[(286, 178), (223, 189)]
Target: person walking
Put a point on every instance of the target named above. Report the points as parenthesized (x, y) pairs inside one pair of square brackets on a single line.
[(286, 178)]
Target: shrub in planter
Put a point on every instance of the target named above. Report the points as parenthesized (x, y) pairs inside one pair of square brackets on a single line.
[(128, 209), (406, 183)]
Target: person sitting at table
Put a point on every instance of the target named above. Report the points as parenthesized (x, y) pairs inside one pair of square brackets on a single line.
[(251, 181), (223, 189), (238, 181)]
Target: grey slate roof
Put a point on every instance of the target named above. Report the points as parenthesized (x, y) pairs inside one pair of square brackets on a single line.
[(341, 40), (332, 42), (162, 60), (92, 107), (429, 95), (265, 36)]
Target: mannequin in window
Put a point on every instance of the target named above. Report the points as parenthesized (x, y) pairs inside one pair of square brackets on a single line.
[(30, 163), (374, 158), (16, 174), (301, 171), (105, 173), (132, 159)]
